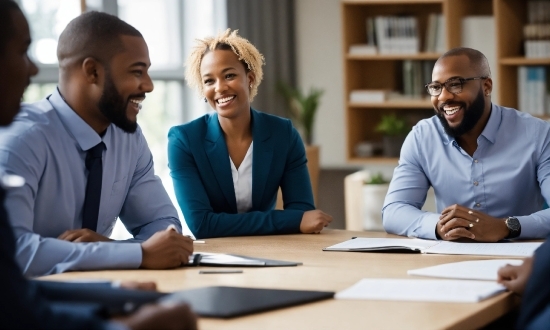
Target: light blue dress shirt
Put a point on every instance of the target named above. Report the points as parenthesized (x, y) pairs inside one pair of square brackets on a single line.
[(508, 175), (47, 145)]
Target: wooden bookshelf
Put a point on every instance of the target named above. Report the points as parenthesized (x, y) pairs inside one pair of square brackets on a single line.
[(384, 71), (510, 17)]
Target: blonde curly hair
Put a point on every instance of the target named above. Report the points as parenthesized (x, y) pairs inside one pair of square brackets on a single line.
[(228, 40)]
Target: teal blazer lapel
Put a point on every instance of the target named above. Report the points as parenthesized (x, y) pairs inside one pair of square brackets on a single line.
[(262, 155), (216, 150)]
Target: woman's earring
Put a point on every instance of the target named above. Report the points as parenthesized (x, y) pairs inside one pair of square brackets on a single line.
[(250, 86), (205, 100)]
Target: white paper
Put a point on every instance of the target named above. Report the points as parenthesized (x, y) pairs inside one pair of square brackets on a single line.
[(362, 243), (461, 291), (467, 270), (515, 249)]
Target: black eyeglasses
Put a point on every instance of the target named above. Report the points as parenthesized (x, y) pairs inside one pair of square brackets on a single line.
[(453, 85)]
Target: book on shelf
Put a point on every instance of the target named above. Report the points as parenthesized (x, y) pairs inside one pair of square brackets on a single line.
[(435, 40), (536, 33), (393, 34), (415, 75), (533, 90)]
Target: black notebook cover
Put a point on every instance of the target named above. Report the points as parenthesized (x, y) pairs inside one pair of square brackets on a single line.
[(226, 302)]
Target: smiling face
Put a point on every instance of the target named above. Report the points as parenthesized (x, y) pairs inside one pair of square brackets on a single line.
[(462, 112), (125, 85), (16, 68), (226, 84)]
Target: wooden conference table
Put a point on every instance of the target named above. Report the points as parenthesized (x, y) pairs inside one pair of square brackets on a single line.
[(325, 271)]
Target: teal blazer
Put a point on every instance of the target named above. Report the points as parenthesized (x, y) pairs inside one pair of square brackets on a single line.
[(201, 171)]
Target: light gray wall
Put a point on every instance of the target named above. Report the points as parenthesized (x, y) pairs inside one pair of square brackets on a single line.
[(320, 64)]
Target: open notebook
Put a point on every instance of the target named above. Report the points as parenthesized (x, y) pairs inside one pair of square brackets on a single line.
[(509, 249)]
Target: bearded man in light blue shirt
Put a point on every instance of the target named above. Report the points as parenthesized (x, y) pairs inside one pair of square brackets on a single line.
[(489, 165), (103, 79)]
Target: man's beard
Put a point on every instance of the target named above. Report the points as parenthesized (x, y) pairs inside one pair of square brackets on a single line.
[(472, 114), (113, 106)]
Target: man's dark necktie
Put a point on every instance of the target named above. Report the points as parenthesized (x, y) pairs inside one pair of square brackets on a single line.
[(93, 187)]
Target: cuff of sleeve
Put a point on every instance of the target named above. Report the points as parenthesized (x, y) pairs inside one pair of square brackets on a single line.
[(291, 221), (529, 228), (130, 255), (427, 227)]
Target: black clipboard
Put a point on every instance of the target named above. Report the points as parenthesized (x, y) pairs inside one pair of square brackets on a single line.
[(227, 302)]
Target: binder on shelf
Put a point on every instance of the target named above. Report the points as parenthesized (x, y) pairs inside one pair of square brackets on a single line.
[(394, 34)]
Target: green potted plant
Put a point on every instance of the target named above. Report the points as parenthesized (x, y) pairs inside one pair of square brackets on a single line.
[(375, 189), (394, 130), (301, 108)]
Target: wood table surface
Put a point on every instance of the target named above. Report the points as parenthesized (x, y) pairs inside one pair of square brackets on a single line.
[(324, 271)]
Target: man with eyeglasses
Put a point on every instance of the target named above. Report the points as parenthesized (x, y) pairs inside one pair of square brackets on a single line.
[(488, 164)]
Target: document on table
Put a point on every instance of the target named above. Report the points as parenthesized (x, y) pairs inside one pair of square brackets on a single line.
[(460, 291), (509, 249), (467, 270), (220, 259)]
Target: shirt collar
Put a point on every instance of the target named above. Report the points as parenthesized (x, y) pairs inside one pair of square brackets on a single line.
[(83, 133), (489, 132)]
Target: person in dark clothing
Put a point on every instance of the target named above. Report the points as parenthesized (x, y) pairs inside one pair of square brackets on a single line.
[(531, 280)]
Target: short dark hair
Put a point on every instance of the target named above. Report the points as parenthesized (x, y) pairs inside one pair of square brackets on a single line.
[(7, 29), (92, 34), (476, 58)]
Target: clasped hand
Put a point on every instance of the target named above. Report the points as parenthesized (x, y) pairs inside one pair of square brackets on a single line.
[(457, 221)]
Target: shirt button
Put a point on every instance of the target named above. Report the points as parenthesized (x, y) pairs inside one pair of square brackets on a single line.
[(475, 160), (478, 205), (475, 183)]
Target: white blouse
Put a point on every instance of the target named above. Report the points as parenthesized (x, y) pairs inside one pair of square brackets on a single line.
[(242, 181)]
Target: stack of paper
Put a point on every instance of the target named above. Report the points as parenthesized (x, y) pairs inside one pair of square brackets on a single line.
[(467, 270), (462, 291)]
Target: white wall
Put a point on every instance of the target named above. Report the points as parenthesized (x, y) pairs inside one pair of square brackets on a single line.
[(320, 64)]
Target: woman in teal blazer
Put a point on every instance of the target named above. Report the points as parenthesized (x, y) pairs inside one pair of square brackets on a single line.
[(227, 166)]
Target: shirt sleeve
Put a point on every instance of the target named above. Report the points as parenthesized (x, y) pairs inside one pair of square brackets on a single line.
[(199, 214), (147, 208), (537, 225), (401, 213), (39, 255)]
